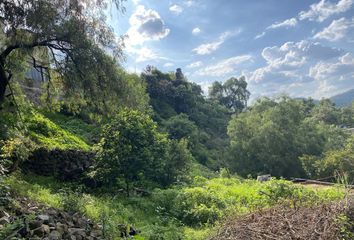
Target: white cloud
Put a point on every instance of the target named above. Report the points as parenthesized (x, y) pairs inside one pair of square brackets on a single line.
[(303, 69), (176, 9), (196, 31), (143, 54), (337, 30), (223, 67), (324, 9), (136, 2), (260, 35), (195, 64), (145, 24), (292, 22), (290, 61), (208, 48), (333, 76), (190, 3), (169, 64)]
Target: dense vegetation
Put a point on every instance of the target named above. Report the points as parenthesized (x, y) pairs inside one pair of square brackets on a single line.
[(163, 156)]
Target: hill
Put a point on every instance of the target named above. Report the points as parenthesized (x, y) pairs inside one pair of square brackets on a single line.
[(344, 99)]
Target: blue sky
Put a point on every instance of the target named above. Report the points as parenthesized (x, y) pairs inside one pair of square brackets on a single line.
[(302, 48)]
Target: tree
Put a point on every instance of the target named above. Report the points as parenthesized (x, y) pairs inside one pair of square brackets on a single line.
[(233, 93), (273, 134), (72, 33), (131, 149)]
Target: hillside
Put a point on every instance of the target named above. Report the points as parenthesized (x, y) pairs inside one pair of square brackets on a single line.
[(344, 99)]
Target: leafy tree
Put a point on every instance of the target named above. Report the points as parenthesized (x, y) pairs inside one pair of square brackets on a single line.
[(327, 112), (179, 126), (71, 36), (233, 93), (274, 134), (131, 149)]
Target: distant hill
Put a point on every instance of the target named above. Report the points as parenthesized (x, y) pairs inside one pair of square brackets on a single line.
[(344, 99)]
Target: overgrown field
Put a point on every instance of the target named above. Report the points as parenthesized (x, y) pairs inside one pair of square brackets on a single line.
[(181, 212)]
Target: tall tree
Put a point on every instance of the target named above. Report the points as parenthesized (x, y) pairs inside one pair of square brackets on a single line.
[(72, 32), (233, 93)]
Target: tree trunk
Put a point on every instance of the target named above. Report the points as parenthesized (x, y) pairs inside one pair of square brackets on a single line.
[(3, 83)]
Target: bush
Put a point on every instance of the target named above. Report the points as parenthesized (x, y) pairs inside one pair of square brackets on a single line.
[(15, 151), (131, 149)]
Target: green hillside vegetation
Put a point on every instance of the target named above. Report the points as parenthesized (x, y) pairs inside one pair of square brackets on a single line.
[(148, 156)]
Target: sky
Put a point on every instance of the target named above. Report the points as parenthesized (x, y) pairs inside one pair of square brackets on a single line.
[(302, 48)]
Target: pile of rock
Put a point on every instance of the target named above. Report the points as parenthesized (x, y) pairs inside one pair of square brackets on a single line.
[(35, 221), (51, 224), (64, 164)]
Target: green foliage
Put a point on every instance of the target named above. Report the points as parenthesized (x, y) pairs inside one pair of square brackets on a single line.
[(182, 110), (208, 201), (131, 149), (50, 135), (333, 163), (87, 132), (274, 134), (15, 151), (232, 94)]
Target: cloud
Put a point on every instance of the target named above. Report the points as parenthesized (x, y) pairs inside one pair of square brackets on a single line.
[(208, 48), (176, 9), (290, 61), (143, 54), (260, 35), (196, 31), (338, 30), (190, 3), (136, 2), (169, 64), (304, 69), (145, 24), (324, 9), (223, 67), (195, 64), (292, 22), (333, 76)]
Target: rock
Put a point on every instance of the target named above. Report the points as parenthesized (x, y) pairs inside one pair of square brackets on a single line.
[(46, 229), (96, 233), (37, 232), (35, 224), (61, 228), (44, 218), (54, 235), (4, 214), (77, 231), (4, 220), (81, 223)]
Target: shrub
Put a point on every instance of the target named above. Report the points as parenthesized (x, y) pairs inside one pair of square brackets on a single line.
[(131, 149)]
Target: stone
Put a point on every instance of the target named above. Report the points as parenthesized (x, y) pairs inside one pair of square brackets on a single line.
[(38, 232), (46, 229), (61, 228), (43, 217), (77, 231), (54, 235), (4, 214), (35, 224), (4, 220)]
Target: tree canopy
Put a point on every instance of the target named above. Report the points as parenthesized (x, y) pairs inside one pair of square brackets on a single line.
[(72, 35)]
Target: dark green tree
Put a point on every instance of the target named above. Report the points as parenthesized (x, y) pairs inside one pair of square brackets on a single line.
[(72, 35), (233, 93)]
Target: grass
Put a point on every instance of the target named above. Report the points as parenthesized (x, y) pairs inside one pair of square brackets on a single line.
[(186, 212), (49, 134)]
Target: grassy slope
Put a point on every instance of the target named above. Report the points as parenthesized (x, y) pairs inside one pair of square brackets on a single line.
[(237, 196), (58, 131)]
